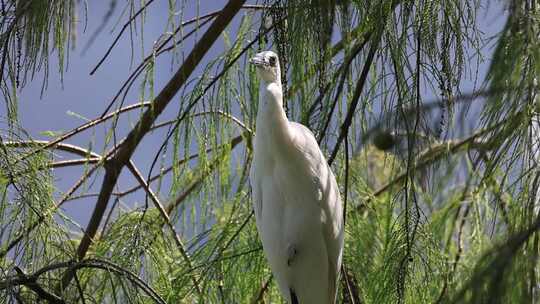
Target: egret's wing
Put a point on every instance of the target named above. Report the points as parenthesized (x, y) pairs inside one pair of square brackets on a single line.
[(330, 200), (256, 194), (333, 229)]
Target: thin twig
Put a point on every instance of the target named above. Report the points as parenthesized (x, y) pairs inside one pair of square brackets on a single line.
[(64, 199), (83, 127), (73, 162), (180, 198), (344, 72), (344, 131), (79, 288), (458, 253), (336, 49), (47, 144), (126, 85), (228, 257), (167, 220), (126, 25), (234, 142), (193, 20), (217, 112)]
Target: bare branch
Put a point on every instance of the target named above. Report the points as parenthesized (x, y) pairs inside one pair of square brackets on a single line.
[(113, 165)]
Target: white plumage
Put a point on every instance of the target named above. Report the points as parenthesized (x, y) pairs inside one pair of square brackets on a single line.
[(296, 198)]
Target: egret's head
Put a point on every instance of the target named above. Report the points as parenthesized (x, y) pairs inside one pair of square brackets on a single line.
[(267, 64)]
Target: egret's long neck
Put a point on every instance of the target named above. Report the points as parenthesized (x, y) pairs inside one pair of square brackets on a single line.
[(271, 118)]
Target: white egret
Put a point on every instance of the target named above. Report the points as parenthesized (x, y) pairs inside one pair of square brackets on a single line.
[(296, 198)]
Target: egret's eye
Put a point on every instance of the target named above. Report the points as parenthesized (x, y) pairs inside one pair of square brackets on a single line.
[(272, 61)]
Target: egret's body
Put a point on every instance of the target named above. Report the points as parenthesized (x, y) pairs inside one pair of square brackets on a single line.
[(296, 199)]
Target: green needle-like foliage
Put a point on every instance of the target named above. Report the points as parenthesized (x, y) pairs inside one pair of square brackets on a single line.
[(440, 181)]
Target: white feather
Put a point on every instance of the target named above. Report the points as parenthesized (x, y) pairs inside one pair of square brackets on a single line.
[(296, 199)]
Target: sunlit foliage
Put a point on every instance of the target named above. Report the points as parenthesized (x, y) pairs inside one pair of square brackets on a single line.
[(440, 183)]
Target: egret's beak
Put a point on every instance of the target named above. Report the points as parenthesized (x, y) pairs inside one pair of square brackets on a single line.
[(258, 60)]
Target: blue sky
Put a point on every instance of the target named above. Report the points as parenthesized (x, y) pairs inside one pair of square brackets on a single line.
[(88, 95)]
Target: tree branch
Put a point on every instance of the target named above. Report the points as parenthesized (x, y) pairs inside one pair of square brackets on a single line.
[(31, 283), (113, 165), (23, 279)]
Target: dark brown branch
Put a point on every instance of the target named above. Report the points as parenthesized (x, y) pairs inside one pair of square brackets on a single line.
[(162, 49), (336, 49), (108, 266), (114, 165), (350, 286), (376, 37), (31, 283)]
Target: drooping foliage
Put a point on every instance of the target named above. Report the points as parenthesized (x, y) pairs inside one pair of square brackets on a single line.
[(429, 121)]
